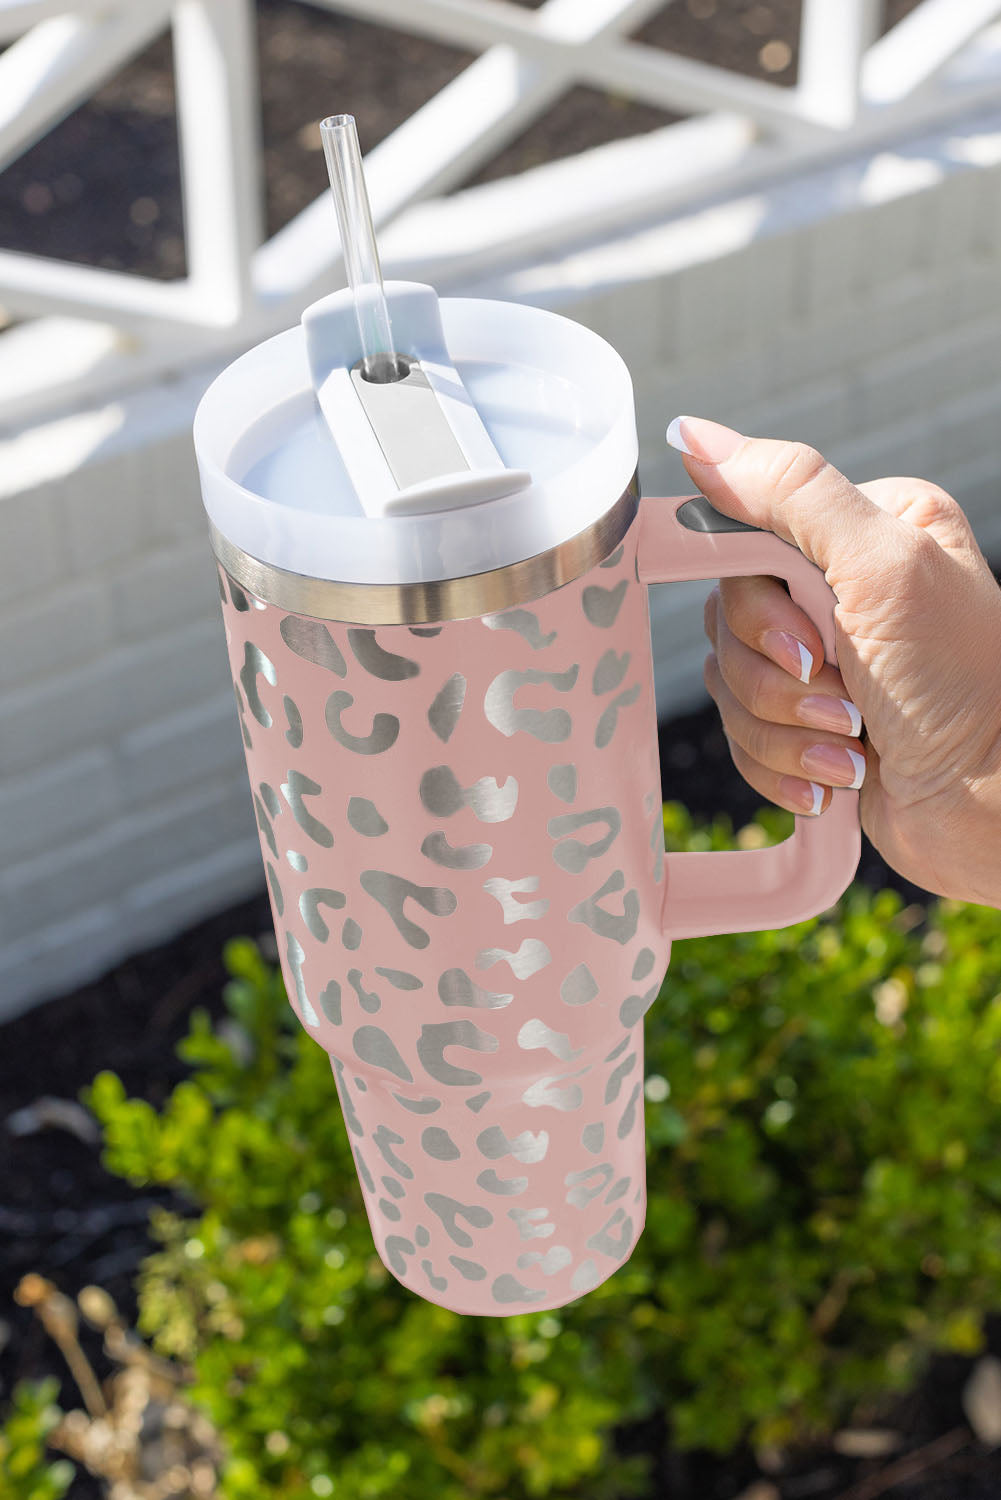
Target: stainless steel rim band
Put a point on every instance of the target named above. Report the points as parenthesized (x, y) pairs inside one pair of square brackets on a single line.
[(440, 600)]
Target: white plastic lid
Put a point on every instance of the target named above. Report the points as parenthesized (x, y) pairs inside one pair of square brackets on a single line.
[(555, 398)]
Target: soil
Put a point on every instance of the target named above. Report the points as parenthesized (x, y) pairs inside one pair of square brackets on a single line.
[(103, 188)]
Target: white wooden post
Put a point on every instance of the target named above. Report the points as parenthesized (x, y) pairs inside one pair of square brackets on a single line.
[(215, 58), (834, 38)]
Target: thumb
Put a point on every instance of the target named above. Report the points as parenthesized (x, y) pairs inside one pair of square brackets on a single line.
[(791, 489)]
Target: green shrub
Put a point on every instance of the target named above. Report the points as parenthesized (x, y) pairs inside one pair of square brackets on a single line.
[(26, 1471), (824, 1175)]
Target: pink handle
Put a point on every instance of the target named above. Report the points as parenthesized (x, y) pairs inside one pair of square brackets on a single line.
[(750, 890)]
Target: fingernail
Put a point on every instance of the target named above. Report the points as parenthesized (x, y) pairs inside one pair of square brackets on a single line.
[(806, 795), (710, 442), (789, 653), (835, 763), (821, 711)]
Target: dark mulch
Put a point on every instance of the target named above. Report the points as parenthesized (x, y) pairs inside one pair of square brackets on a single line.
[(63, 1215)]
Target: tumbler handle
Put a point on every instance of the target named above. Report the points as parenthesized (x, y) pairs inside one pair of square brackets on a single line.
[(749, 890)]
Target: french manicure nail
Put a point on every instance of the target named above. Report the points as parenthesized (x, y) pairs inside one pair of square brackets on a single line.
[(823, 711), (806, 795), (709, 442), (835, 763), (789, 653)]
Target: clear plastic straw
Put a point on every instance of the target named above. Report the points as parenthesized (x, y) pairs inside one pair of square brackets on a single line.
[(380, 361)]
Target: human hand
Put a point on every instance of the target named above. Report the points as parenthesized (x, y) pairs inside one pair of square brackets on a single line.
[(917, 628)]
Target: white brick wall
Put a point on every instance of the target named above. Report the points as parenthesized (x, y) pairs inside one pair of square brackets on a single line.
[(830, 310)]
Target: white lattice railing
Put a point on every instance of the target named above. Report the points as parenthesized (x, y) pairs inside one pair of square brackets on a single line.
[(943, 58)]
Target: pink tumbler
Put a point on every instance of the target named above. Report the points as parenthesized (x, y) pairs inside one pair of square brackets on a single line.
[(434, 589)]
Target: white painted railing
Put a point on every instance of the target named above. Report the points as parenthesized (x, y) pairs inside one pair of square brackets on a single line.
[(853, 90)]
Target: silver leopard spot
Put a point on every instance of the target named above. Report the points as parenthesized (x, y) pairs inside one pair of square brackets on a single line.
[(436, 1037), (367, 999), (443, 715), (629, 1114), (248, 742), (365, 818), (383, 734), (526, 1147), (276, 890), (550, 725), (592, 1137), (477, 1101), (351, 935), (589, 1183), (240, 601), (644, 963), (313, 642), (294, 720), (441, 793), (562, 781), (535, 1034), (585, 1277), (377, 661), (504, 1187), (309, 909), (264, 824), (256, 664), (525, 623), (373, 1046), (425, 630), (618, 1077), (294, 790), (609, 672), (296, 957), (508, 1288), (384, 1140), (418, 1106), (422, 1237), (634, 1007), (556, 1258), (298, 861), (448, 1210), (530, 957), (548, 1093), (657, 845), (470, 1269), (439, 1144), (330, 1002), (610, 718), (400, 979), (439, 851), (619, 1190), (456, 988), (579, 987), (351, 1120), (573, 855), (492, 803), (613, 559), (390, 1210), (396, 1248), (270, 797), (505, 891), (606, 1242), (529, 1225), (601, 606), (438, 1283), (619, 928), (392, 891), (619, 1048)]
